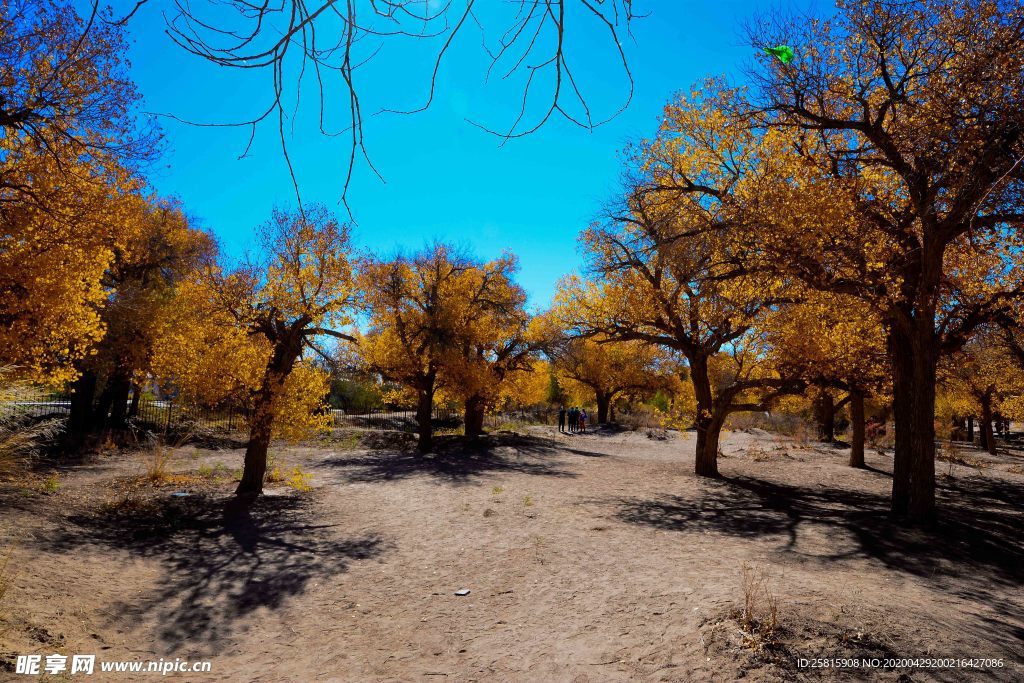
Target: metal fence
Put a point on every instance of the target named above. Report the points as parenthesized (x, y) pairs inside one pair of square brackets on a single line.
[(38, 408), (151, 413), (395, 419), (404, 419), (167, 414)]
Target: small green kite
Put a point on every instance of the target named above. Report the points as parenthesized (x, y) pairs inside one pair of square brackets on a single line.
[(784, 53)]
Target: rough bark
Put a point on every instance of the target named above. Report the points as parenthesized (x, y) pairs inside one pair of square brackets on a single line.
[(825, 410), (901, 412), (707, 423), (857, 426), (922, 435), (424, 415), (474, 416), (133, 409), (987, 436), (261, 425), (119, 390), (914, 354), (101, 410), (604, 400), (708, 435), (261, 422), (80, 419)]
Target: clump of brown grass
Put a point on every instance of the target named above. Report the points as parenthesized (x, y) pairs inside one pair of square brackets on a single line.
[(947, 452), (129, 504), (759, 616), (20, 436), (7, 572), (759, 454), (801, 434), (158, 456), (156, 464)]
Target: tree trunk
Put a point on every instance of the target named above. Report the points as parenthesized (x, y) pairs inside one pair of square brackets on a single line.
[(902, 385), (914, 356), (261, 422), (604, 400), (708, 425), (857, 425), (956, 428), (80, 417), (987, 437), (474, 416), (101, 411), (119, 390), (424, 425), (133, 409), (261, 426), (970, 429), (707, 446), (825, 409)]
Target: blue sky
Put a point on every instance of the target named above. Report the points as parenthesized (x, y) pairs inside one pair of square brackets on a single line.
[(445, 179)]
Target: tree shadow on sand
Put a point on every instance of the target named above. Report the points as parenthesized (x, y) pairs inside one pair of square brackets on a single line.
[(220, 563), (457, 460), (975, 550)]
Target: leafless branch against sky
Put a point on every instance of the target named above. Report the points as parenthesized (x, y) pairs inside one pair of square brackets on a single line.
[(326, 41)]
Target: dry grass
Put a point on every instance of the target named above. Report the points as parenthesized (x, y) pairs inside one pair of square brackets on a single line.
[(7, 572), (293, 477), (759, 615), (129, 504), (879, 436), (759, 454), (20, 435), (774, 422), (640, 419), (158, 457), (949, 453), (801, 435), (156, 464)]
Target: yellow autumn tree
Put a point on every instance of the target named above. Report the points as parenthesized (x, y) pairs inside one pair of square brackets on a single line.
[(835, 344), (886, 171), (65, 91), (55, 248), (494, 343), (980, 378), (69, 139), (606, 371), (302, 291), (672, 271), (156, 250), (202, 357), (527, 386), (440, 320)]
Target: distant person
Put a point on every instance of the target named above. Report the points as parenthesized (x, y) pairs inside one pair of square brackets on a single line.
[(574, 417), (583, 420), (561, 418)]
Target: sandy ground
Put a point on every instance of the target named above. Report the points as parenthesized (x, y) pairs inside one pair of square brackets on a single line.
[(588, 558)]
